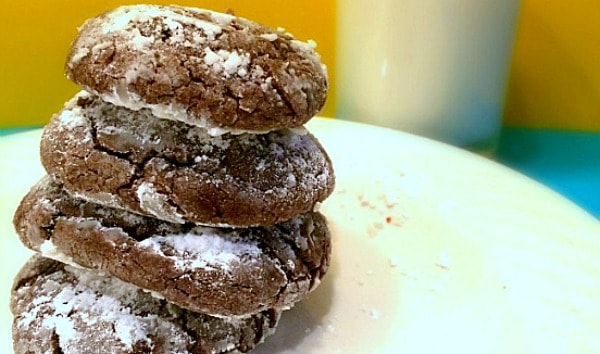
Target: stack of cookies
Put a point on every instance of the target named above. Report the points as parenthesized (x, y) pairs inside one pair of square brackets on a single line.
[(179, 210)]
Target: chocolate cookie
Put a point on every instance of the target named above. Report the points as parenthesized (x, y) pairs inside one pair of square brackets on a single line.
[(176, 172), (62, 309), (204, 68), (220, 272)]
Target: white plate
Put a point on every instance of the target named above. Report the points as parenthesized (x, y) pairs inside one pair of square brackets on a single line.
[(435, 250)]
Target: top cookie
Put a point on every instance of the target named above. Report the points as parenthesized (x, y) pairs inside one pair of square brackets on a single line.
[(208, 69)]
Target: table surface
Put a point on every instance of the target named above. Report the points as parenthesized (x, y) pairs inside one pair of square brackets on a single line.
[(566, 161)]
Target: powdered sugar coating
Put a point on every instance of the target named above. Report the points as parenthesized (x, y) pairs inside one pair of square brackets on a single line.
[(179, 173), (216, 271), (70, 119), (217, 71), (203, 248), (155, 203), (68, 310), (121, 19)]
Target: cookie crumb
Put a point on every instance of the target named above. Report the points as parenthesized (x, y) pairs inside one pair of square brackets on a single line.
[(444, 260), (269, 36), (375, 314)]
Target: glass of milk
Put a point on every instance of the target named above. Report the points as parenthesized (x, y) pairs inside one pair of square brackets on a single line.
[(436, 68)]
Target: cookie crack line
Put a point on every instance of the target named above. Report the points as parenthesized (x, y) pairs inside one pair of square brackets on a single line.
[(238, 110), (139, 167), (55, 338), (315, 267), (290, 277), (127, 156), (100, 147), (193, 102), (285, 99), (259, 324), (297, 249)]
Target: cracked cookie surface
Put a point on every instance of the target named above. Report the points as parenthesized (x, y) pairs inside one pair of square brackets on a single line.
[(205, 68), (178, 173), (215, 271), (62, 309)]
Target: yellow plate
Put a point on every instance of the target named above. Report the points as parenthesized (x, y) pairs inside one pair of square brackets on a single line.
[(435, 250)]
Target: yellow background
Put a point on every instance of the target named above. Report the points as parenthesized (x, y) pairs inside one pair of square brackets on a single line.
[(555, 78), (36, 35), (554, 82)]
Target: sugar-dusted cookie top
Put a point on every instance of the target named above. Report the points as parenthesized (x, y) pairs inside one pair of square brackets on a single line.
[(201, 67), (63, 309)]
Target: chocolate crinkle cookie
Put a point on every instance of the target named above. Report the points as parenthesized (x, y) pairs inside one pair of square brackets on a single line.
[(68, 310), (204, 68), (217, 271), (179, 210), (178, 173)]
